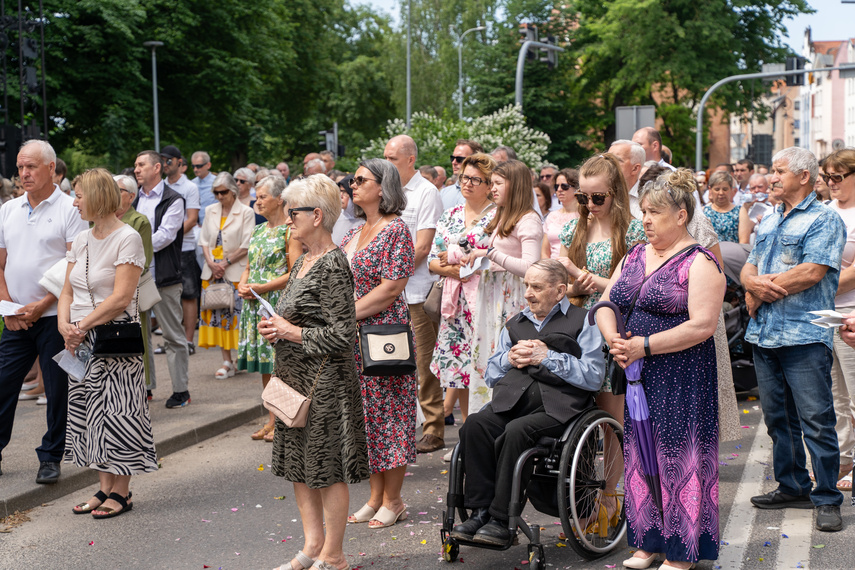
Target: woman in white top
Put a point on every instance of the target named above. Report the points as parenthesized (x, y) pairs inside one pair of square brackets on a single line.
[(109, 428), (566, 185)]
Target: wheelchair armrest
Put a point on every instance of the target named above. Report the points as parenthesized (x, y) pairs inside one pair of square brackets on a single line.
[(548, 442)]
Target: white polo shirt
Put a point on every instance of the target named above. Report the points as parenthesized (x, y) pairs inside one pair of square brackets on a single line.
[(34, 240), (190, 193), (424, 207)]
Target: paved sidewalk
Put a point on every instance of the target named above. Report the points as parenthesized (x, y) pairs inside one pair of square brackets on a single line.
[(217, 406)]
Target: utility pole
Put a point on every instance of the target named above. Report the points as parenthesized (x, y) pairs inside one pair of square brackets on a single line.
[(460, 63), (154, 45)]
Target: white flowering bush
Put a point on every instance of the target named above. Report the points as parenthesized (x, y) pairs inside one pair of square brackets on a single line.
[(435, 136)]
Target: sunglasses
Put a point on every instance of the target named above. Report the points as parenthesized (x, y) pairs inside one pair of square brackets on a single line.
[(292, 211), (547, 177), (240, 181), (169, 161), (564, 187), (199, 165), (220, 192), (457, 158), (360, 180), (836, 178), (598, 198), (476, 181)]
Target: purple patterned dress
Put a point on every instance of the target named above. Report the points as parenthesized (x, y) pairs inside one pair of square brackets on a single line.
[(682, 393)]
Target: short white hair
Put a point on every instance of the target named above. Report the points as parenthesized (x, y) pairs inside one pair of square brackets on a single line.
[(246, 173), (44, 148), (636, 151), (127, 184), (798, 160)]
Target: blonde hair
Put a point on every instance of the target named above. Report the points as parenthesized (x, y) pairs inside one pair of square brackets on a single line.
[(103, 196), (674, 189), (485, 164), (518, 199), (316, 191), (719, 177)]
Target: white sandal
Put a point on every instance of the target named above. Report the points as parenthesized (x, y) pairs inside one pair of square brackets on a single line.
[(227, 370), (306, 562)]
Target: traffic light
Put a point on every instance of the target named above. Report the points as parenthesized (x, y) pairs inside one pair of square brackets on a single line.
[(793, 63)]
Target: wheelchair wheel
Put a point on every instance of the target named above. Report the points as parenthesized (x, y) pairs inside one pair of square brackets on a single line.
[(583, 473), (450, 550)]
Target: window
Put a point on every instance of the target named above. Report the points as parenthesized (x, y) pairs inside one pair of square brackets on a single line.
[(796, 124), (797, 105)]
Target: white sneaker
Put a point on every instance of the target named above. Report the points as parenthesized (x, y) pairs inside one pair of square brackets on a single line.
[(29, 386), (42, 401), (24, 396), (447, 456)]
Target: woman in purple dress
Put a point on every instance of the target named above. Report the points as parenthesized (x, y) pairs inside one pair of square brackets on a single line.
[(679, 289)]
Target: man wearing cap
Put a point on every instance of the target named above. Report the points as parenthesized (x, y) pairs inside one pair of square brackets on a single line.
[(190, 270)]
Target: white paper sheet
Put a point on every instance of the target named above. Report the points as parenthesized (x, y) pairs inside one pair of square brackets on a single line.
[(827, 319), (466, 270), (266, 309), (8, 308), (71, 364)]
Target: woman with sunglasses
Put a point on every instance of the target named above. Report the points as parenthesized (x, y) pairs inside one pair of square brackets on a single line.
[(516, 234), (566, 184), (225, 237), (246, 180), (838, 173), (453, 361), (381, 256)]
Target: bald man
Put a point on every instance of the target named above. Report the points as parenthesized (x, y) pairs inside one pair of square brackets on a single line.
[(424, 207)]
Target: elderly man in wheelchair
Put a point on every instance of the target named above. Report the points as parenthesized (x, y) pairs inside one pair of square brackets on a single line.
[(545, 372)]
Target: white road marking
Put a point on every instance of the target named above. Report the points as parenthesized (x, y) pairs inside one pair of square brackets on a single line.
[(798, 526)]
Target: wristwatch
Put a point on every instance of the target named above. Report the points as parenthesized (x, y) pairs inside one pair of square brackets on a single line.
[(228, 262), (647, 346)]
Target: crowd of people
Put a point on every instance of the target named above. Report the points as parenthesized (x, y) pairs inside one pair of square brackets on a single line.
[(490, 269)]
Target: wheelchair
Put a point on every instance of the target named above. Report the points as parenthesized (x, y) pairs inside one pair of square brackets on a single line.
[(567, 474)]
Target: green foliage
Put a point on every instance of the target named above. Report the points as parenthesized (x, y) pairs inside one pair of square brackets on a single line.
[(436, 136)]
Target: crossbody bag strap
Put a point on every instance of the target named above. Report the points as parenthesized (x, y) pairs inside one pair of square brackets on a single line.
[(92, 297), (652, 273), (318, 375)]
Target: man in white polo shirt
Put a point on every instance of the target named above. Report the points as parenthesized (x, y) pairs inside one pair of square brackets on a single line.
[(424, 207), (36, 231)]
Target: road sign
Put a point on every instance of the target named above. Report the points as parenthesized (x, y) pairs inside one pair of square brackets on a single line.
[(630, 119)]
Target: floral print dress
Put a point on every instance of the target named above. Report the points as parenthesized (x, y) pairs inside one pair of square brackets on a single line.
[(389, 401), (267, 260), (726, 224), (454, 357)]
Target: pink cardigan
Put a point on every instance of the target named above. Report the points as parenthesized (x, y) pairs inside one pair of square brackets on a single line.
[(519, 250)]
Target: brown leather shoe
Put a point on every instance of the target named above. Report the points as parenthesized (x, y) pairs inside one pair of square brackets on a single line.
[(428, 443)]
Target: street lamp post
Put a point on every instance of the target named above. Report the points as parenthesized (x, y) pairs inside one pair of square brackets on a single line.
[(460, 63), (154, 45)]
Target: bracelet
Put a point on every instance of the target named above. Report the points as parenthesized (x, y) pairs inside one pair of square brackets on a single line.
[(228, 262), (647, 346)]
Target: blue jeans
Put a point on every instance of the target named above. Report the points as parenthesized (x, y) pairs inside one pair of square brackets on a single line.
[(795, 392)]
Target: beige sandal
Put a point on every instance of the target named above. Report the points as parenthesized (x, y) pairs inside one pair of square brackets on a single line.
[(260, 434), (363, 515), (305, 562), (388, 518)]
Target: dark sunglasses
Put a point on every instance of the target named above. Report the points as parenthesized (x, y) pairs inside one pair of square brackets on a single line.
[(360, 180), (220, 192), (598, 198), (546, 177), (240, 181), (836, 178), (565, 187), (476, 181), (199, 165), (457, 158), (291, 211)]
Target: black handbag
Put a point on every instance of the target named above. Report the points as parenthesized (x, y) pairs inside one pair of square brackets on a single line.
[(387, 350), (614, 372), (121, 339)]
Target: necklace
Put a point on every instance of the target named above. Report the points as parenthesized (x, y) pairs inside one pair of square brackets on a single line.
[(362, 233), (312, 259)]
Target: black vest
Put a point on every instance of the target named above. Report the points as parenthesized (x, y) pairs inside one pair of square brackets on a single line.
[(561, 400), (167, 261)]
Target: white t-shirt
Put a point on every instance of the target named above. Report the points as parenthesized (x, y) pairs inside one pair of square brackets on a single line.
[(848, 216), (122, 246), (34, 240), (424, 207), (190, 193)]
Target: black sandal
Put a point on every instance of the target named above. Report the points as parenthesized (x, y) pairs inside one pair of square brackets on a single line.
[(126, 506), (86, 508)]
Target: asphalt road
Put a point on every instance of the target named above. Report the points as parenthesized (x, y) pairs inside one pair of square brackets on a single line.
[(217, 505)]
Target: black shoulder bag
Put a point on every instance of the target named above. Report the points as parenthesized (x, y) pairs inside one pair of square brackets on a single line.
[(615, 373)]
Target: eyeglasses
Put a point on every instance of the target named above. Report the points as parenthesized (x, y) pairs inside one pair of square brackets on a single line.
[(457, 158), (836, 178), (598, 198), (474, 180), (547, 177), (291, 211), (197, 166), (565, 187), (220, 192), (240, 181), (360, 180)]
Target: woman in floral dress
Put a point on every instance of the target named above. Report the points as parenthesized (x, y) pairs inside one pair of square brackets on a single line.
[(566, 185), (455, 354), (271, 254), (381, 256), (721, 210)]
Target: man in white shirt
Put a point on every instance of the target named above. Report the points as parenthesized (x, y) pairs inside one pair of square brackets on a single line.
[(190, 270), (424, 207), (650, 139), (743, 170), (631, 156), (36, 231), (164, 208)]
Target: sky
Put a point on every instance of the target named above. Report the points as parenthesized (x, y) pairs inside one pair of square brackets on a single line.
[(831, 21)]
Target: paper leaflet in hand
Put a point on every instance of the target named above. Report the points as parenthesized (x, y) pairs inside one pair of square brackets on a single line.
[(827, 319), (9, 309), (266, 309), (72, 365), (467, 270)]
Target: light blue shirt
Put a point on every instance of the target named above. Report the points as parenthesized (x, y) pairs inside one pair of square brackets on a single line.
[(810, 233), (587, 372), (206, 196)]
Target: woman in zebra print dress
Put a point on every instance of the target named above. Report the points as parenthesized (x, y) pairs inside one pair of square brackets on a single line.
[(109, 429)]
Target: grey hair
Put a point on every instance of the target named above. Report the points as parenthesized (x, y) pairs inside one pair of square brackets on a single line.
[(549, 165), (47, 152), (316, 163), (512, 154), (273, 184), (758, 176), (636, 151), (392, 197), (316, 191), (205, 156), (672, 189), (246, 173), (127, 184), (227, 180), (798, 160), (554, 269)]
